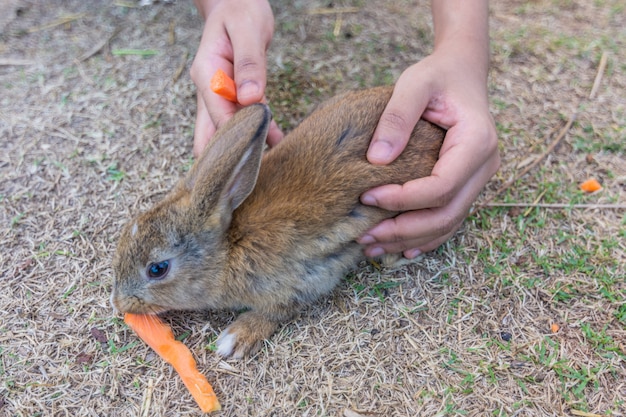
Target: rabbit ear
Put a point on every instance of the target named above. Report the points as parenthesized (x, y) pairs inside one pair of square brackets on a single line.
[(227, 171)]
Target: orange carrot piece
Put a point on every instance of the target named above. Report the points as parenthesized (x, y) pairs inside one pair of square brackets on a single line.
[(590, 185), (159, 336), (223, 85)]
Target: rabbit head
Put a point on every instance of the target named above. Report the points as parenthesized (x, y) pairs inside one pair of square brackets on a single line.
[(172, 256)]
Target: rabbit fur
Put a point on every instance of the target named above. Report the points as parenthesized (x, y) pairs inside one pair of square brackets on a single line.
[(265, 232)]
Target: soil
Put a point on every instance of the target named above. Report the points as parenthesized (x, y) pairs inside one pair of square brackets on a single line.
[(97, 114)]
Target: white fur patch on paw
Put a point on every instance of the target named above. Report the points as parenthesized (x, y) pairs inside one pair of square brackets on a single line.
[(225, 343), (396, 260)]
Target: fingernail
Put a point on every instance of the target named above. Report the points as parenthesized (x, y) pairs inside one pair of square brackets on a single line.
[(366, 239), (412, 253), (247, 90), (379, 151), (374, 252), (368, 200)]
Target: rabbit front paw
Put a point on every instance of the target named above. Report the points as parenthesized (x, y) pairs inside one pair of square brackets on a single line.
[(245, 335)]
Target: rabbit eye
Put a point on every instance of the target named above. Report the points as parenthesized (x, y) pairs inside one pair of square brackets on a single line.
[(158, 270)]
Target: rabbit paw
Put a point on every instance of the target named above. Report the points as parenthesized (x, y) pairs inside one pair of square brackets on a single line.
[(245, 335), (396, 260)]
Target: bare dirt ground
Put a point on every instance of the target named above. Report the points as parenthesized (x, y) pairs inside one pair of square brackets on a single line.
[(522, 313)]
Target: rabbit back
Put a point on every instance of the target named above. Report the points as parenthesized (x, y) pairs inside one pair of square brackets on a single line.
[(304, 215)]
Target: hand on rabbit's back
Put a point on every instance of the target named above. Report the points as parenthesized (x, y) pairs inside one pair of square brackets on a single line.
[(309, 184)]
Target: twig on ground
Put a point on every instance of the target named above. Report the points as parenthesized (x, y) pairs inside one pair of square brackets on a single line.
[(58, 22), (596, 84), (181, 67), (537, 200), (558, 205), (171, 38), (333, 10), (98, 46), (5, 62), (584, 413), (126, 4), (147, 399), (338, 23), (550, 148), (351, 413), (339, 11)]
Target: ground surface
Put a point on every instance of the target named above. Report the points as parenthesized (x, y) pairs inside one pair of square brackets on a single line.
[(90, 135)]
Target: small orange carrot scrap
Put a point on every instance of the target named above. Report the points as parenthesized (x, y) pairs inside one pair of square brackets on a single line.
[(223, 85), (158, 335), (590, 185), (554, 328)]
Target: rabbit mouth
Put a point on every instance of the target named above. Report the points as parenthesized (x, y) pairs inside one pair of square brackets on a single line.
[(147, 309), (135, 305)]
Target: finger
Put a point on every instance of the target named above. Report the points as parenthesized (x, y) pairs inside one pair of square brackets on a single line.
[(460, 161), (204, 128), (413, 229), (211, 57), (419, 227), (430, 246), (249, 62), (411, 247), (405, 107), (275, 135)]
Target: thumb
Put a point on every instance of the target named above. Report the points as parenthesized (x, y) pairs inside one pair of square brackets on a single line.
[(249, 63), (397, 121), (250, 78)]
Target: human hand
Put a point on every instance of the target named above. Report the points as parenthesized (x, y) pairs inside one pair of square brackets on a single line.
[(448, 89), (235, 38)]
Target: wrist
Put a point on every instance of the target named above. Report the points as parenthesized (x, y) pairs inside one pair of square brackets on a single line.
[(205, 7), (471, 58), (462, 32)]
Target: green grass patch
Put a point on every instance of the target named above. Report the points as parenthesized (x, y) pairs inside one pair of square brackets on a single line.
[(115, 174), (137, 52), (115, 350)]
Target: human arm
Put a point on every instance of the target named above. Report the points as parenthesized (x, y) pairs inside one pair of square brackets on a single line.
[(448, 88)]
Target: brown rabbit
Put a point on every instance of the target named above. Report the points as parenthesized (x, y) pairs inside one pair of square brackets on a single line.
[(265, 232)]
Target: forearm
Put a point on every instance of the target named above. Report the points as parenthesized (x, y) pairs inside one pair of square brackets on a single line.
[(462, 26), (205, 6)]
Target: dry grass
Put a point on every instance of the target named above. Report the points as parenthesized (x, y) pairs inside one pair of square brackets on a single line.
[(87, 138)]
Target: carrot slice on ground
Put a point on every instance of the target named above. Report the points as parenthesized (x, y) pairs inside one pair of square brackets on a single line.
[(223, 85), (159, 336), (590, 185)]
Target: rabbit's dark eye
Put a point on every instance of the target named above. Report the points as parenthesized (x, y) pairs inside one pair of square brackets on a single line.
[(158, 270)]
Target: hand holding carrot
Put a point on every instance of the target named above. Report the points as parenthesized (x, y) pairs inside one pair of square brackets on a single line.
[(236, 36)]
